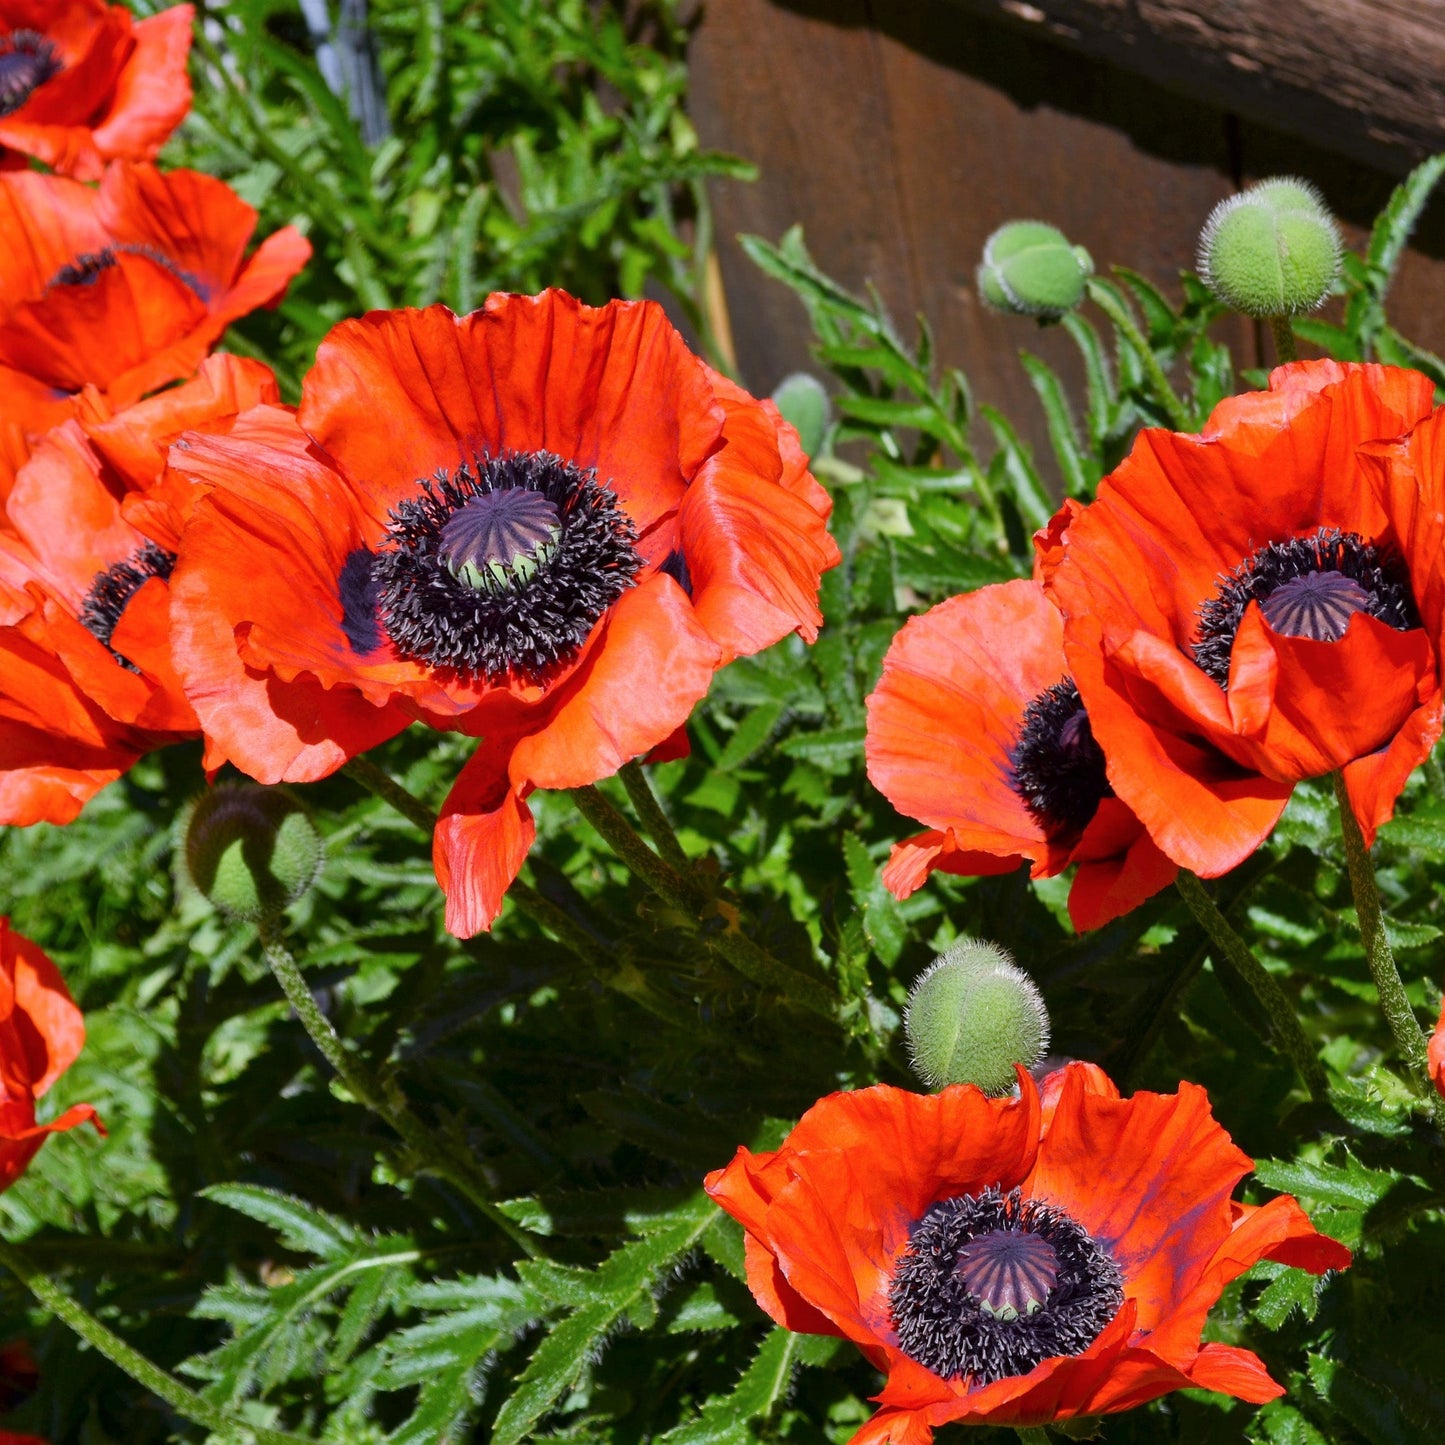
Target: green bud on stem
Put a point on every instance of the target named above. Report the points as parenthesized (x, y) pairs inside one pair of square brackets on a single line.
[(253, 851), (1272, 250), (1030, 269), (972, 1015)]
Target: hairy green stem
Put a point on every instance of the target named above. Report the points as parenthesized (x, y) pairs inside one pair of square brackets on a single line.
[(1283, 333), (448, 1162), (1109, 304), (183, 1401), (650, 814), (376, 780), (681, 892), (1032, 1434), (1394, 1004), (623, 978), (673, 887), (1231, 951)]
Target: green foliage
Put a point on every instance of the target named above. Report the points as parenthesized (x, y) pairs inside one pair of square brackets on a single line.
[(259, 1233)]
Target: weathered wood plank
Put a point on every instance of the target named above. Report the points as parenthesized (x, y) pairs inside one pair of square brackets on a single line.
[(900, 141), (1366, 77)]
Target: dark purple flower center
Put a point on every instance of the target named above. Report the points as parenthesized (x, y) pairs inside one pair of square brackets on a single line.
[(111, 591), (1306, 587), (1010, 1271), (498, 569), (89, 266), (1058, 768), (1318, 605), (27, 61), (499, 539), (993, 1283)]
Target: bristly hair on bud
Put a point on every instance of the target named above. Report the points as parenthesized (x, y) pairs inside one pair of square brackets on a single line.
[(971, 1016), (1272, 250), (251, 850), (1029, 268)]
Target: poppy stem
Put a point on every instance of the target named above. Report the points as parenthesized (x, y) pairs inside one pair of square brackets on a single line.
[(375, 780), (590, 949), (1394, 1003), (720, 920), (650, 814), (1107, 302), (449, 1163), (1283, 333), (1032, 1434), (183, 1401), (1233, 953)]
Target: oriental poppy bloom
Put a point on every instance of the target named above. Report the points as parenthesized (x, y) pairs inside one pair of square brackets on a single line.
[(976, 729), (41, 1033), (123, 287), (83, 82), (86, 682), (1013, 1261), (544, 524), (1437, 1053), (1255, 605)]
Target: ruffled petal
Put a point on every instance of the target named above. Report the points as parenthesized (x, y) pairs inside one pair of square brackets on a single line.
[(1161, 1149), (648, 665), (612, 387), (1119, 867), (481, 841), (153, 91), (945, 716), (911, 861)]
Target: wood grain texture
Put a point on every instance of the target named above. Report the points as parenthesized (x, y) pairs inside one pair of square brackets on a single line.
[(901, 140), (1366, 75)]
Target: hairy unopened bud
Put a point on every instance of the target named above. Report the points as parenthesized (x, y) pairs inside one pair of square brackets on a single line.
[(1272, 250), (804, 404), (1030, 269), (972, 1016), (252, 851)]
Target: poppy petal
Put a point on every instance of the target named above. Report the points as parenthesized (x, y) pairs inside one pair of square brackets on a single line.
[(1161, 1148), (153, 91), (911, 861), (638, 683), (480, 843), (945, 716), (524, 374)]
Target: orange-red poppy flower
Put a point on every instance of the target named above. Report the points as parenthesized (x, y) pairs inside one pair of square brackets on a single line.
[(1254, 606), (41, 1033), (976, 730), (83, 82), (1013, 1261), (86, 682), (1437, 1053), (123, 287), (544, 524)]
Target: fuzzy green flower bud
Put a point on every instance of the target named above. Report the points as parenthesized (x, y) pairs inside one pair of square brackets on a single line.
[(804, 404), (972, 1016), (252, 851), (1030, 269), (1272, 250)]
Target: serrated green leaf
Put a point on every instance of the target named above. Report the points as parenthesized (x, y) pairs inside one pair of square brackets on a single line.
[(1395, 224), (1030, 495), (728, 1419), (618, 1284), (298, 1225), (1347, 1186), (750, 735), (882, 922), (1078, 472)]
